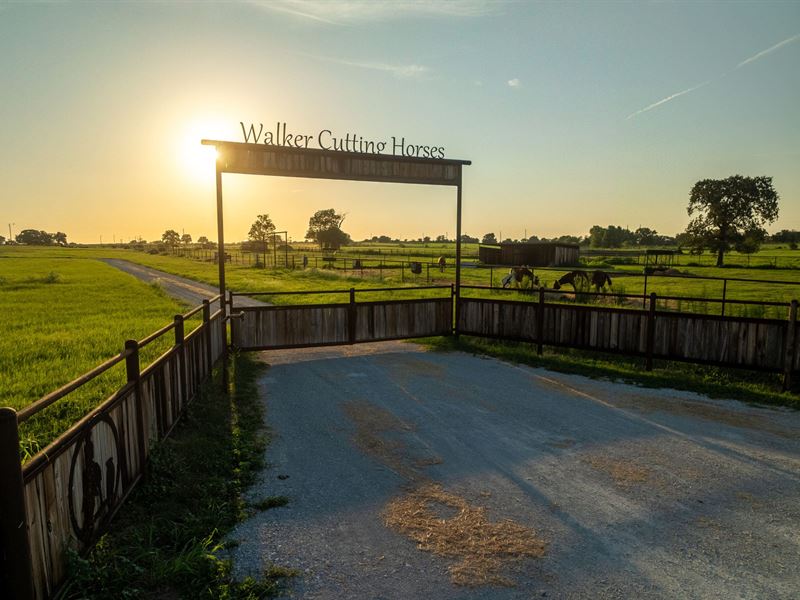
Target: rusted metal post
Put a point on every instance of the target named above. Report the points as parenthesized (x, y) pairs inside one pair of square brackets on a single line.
[(724, 293), (453, 299), (351, 317), (221, 254), (540, 323), (16, 575), (458, 249), (651, 332), (791, 346)]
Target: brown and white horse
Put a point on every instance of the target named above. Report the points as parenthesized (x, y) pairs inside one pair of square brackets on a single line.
[(518, 275)]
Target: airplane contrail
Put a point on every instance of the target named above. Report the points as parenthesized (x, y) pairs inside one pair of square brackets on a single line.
[(746, 61)]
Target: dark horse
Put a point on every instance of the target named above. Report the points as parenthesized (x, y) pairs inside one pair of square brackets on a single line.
[(581, 279)]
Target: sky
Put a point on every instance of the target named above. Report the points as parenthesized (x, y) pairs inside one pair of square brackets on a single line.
[(573, 114)]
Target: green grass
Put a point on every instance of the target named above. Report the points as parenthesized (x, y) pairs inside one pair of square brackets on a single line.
[(169, 539), (748, 386), (61, 317)]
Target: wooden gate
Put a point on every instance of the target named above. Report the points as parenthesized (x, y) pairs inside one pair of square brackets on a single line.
[(298, 326)]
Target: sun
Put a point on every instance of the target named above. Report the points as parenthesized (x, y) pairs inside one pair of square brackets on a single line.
[(198, 161)]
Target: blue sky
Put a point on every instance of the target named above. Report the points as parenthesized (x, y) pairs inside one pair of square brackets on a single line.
[(556, 104)]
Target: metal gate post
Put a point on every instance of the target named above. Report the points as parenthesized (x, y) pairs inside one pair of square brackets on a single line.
[(351, 317), (651, 332), (458, 251), (16, 576), (791, 346)]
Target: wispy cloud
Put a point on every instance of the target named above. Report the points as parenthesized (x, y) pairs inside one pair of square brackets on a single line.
[(409, 71), (514, 83), (769, 50), (746, 61), (359, 11)]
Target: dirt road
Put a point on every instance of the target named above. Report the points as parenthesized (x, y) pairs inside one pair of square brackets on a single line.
[(186, 290), (422, 475)]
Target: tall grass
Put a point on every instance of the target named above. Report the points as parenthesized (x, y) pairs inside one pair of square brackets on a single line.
[(60, 318)]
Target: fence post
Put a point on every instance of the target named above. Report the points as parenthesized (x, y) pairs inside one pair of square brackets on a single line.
[(455, 312), (133, 375), (16, 576), (207, 334), (651, 332), (491, 277), (351, 317), (540, 323), (724, 292), (179, 337), (644, 293), (791, 346)]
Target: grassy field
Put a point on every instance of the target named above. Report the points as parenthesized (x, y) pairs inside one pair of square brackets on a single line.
[(696, 282), (61, 317), (77, 311)]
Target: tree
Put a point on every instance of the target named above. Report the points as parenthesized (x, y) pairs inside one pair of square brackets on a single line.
[(2, 240), (171, 238), (261, 231), (186, 239), (34, 237), (727, 210), (202, 240), (489, 238), (325, 228), (644, 236)]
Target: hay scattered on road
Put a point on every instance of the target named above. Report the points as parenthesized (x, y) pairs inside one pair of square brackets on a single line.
[(623, 472), (484, 550)]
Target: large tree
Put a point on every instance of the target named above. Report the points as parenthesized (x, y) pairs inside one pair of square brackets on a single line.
[(325, 228), (489, 238), (731, 211), (171, 238), (186, 239), (34, 237), (261, 231)]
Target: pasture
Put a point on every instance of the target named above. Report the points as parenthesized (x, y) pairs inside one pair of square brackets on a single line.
[(61, 317), (65, 311)]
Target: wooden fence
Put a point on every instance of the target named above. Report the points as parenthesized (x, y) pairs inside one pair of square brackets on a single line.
[(66, 495), (296, 326), (758, 344)]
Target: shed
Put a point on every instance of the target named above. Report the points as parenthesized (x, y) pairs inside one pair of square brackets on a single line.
[(533, 254)]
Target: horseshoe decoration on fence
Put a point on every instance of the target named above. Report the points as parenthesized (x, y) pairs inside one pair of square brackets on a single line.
[(94, 478)]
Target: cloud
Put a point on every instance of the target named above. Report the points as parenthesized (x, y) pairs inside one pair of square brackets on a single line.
[(514, 83), (360, 11), (747, 61), (769, 50)]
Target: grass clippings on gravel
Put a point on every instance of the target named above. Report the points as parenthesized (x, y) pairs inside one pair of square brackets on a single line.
[(483, 550)]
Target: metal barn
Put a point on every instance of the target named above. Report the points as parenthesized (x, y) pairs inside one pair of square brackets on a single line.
[(533, 254)]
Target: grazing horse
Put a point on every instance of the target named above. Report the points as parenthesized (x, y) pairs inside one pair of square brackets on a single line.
[(582, 280), (442, 262), (517, 275)]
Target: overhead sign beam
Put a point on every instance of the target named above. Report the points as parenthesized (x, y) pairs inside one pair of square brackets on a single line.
[(288, 161), (262, 159)]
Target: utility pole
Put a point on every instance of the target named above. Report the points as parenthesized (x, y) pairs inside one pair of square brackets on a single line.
[(10, 237)]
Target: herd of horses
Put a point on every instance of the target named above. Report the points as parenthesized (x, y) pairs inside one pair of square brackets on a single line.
[(524, 278)]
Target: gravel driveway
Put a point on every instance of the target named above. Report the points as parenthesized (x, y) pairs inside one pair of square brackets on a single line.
[(186, 290), (413, 474)]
